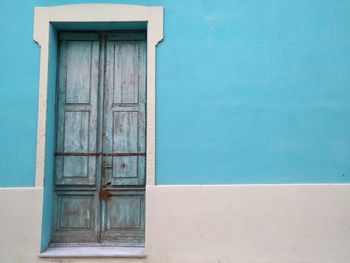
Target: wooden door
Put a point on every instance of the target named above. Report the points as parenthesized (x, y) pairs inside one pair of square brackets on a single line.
[(123, 136), (100, 152)]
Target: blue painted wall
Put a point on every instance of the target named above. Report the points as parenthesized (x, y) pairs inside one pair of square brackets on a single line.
[(50, 144), (248, 91)]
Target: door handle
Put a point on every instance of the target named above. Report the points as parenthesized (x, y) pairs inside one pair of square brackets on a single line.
[(104, 193), (106, 166)]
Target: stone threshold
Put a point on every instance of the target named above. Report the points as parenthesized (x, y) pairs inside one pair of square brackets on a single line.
[(97, 252)]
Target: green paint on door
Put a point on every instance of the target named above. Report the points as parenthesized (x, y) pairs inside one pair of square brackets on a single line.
[(100, 142)]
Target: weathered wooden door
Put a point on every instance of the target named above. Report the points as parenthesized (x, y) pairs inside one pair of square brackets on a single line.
[(100, 158)]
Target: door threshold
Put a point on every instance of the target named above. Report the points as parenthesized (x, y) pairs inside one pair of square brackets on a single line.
[(94, 252)]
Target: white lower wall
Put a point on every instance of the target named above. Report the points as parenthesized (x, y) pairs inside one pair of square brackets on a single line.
[(210, 224)]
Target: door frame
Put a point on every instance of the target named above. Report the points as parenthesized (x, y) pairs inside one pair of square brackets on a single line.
[(47, 21), (46, 17)]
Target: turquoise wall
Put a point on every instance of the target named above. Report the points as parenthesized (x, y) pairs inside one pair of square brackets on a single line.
[(50, 144), (248, 91)]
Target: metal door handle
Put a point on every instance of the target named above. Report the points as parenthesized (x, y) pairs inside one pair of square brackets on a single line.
[(106, 166)]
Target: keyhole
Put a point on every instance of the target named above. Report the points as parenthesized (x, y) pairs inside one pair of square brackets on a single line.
[(123, 165)]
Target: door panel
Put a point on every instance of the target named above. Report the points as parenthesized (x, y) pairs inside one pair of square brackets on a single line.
[(124, 140), (75, 216), (77, 107), (76, 212), (79, 64), (126, 86), (124, 132), (76, 135), (124, 218)]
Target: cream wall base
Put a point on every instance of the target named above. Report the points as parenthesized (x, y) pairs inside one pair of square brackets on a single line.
[(210, 224)]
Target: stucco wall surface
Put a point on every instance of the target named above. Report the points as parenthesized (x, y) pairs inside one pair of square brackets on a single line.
[(206, 224)]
